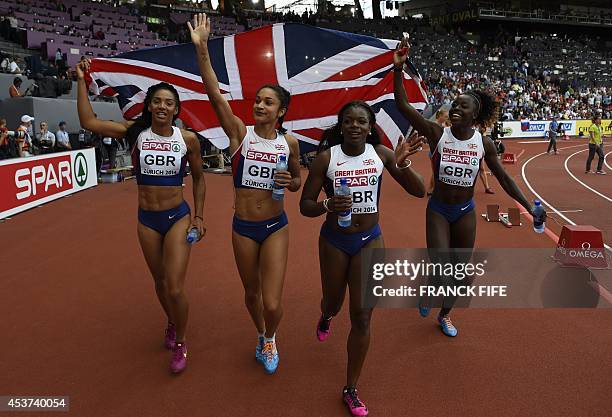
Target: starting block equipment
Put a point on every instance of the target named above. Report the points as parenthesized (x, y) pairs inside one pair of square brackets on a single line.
[(509, 219)]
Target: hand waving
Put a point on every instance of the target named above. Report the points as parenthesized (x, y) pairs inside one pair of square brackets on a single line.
[(405, 148), (200, 30)]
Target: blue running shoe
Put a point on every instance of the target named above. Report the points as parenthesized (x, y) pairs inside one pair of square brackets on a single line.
[(447, 326), (258, 349), (269, 356), (424, 311)]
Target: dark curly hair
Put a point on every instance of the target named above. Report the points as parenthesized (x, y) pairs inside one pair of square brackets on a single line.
[(285, 98), (333, 135), (146, 118), (487, 107)]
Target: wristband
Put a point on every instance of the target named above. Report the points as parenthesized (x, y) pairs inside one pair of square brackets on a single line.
[(325, 202), (404, 166)]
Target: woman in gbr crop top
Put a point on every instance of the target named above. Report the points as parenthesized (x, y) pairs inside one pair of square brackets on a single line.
[(160, 152), (355, 153), (260, 235), (458, 152)]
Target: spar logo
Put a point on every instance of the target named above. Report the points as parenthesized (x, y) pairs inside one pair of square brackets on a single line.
[(38, 179), (80, 169), (158, 146), (261, 156)]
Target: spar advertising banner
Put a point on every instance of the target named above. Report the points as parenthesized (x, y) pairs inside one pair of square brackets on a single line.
[(29, 182), (536, 128)]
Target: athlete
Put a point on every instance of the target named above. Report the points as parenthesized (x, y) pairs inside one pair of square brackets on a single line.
[(160, 152), (260, 235), (352, 149), (457, 158)]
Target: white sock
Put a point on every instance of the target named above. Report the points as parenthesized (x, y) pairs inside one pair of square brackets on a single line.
[(270, 339)]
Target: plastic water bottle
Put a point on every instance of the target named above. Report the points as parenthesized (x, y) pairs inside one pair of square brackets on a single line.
[(344, 217), (538, 217), (278, 193), (193, 235)]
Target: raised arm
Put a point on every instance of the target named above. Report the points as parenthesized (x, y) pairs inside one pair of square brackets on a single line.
[(197, 174), (232, 126), (87, 117), (429, 129), (502, 176)]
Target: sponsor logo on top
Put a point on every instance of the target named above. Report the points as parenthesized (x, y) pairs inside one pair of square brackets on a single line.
[(156, 146), (261, 156)]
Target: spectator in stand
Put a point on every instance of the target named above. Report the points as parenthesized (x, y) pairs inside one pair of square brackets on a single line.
[(13, 67), (58, 57), (595, 146), (46, 139), (25, 144), (14, 88), (5, 141), (62, 139)]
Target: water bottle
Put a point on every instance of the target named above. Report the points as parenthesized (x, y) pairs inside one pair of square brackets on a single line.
[(278, 193), (193, 235), (344, 217), (538, 217)]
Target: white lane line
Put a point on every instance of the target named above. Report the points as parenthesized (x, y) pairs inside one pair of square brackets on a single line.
[(583, 184), (606, 161), (553, 208)]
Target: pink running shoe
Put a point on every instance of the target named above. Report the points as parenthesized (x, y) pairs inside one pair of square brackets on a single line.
[(354, 404), (323, 328), (179, 358), (170, 338)]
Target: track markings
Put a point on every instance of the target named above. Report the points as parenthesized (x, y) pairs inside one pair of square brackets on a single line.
[(583, 184)]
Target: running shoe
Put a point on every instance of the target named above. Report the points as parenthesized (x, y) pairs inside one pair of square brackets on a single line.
[(601, 172), (269, 357), (179, 358), (323, 328), (588, 172), (170, 338), (424, 311), (352, 401), (447, 326), (259, 348)]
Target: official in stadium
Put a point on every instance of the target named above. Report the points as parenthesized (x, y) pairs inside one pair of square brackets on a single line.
[(260, 232), (450, 215), (160, 152), (353, 144), (595, 146)]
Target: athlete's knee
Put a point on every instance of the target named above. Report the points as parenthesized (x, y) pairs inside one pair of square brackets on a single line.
[(176, 292), (252, 298), (360, 320), (272, 306)]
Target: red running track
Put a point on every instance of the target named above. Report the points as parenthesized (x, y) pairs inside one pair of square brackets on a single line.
[(80, 318)]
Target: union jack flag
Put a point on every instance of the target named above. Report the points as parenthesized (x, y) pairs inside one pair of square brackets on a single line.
[(322, 69)]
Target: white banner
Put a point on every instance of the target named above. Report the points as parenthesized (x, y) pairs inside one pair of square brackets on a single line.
[(535, 128), (29, 182)]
